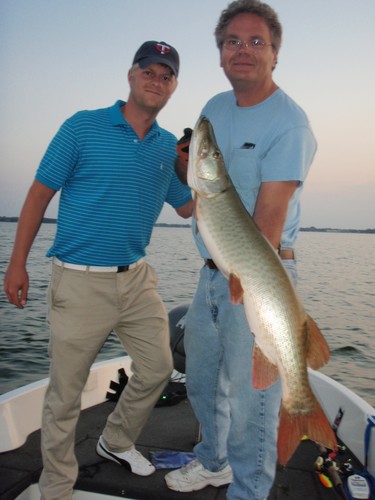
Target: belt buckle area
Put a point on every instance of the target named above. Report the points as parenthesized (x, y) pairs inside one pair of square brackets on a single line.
[(122, 269)]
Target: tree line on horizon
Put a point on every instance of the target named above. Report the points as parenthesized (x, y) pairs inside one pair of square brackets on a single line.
[(311, 229)]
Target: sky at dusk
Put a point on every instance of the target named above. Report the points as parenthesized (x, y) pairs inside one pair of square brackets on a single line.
[(61, 56)]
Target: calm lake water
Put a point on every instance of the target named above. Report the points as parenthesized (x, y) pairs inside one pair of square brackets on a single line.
[(336, 284)]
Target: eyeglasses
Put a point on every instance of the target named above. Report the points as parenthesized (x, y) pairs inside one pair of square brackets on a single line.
[(234, 44)]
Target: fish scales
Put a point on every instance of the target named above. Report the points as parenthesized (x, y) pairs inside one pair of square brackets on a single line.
[(226, 220), (284, 333)]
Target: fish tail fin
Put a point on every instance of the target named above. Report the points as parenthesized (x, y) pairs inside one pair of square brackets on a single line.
[(292, 428)]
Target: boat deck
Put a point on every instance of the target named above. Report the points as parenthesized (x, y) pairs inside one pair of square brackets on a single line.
[(171, 428)]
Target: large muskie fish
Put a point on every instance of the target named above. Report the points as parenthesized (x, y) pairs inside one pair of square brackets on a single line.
[(286, 338)]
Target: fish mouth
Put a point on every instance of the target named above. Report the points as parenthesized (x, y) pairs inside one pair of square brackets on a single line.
[(205, 150), (204, 127), (206, 172)]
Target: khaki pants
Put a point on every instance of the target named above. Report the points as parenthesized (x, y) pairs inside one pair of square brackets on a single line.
[(84, 307)]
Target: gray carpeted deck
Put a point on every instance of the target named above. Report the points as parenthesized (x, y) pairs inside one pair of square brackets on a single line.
[(169, 428)]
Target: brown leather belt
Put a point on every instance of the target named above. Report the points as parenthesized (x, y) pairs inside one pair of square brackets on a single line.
[(285, 254)]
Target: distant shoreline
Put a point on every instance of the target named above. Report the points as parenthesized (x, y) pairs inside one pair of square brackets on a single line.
[(311, 229)]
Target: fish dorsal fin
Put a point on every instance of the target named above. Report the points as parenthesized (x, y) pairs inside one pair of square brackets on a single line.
[(317, 350), (265, 373), (235, 289)]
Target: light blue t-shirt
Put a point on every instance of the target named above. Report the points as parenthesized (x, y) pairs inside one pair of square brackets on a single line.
[(271, 141), (113, 187)]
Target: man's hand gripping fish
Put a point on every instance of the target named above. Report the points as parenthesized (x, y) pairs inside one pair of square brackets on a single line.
[(286, 338)]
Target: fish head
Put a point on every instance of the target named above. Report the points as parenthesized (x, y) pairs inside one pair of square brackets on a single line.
[(207, 175)]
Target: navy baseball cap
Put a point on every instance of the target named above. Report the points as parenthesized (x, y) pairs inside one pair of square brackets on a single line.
[(153, 52)]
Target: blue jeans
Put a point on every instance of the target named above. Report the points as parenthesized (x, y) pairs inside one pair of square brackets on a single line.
[(239, 424)]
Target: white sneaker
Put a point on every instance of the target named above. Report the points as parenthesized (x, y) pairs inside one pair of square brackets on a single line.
[(130, 459), (194, 477)]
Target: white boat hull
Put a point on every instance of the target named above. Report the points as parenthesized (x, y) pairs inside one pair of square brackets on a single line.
[(334, 397), (28, 400)]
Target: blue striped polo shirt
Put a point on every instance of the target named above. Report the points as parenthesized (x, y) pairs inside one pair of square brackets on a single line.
[(113, 186)]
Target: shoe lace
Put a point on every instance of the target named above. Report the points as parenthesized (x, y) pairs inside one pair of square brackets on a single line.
[(191, 467)]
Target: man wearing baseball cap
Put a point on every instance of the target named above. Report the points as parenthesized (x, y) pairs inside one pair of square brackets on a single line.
[(157, 53), (115, 169)]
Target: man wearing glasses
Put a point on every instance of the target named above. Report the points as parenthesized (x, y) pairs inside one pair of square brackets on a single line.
[(268, 147)]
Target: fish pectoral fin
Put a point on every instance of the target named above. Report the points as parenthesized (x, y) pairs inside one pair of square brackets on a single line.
[(265, 373), (235, 289), (317, 348)]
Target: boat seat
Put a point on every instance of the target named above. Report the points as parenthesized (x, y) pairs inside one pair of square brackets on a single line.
[(176, 331)]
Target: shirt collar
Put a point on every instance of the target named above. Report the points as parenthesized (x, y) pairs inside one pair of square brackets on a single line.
[(116, 115), (117, 118)]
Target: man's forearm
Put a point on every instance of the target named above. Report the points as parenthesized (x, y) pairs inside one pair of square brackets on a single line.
[(29, 222)]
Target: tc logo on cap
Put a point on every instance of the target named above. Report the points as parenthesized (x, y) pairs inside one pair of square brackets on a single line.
[(163, 49), (154, 52)]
